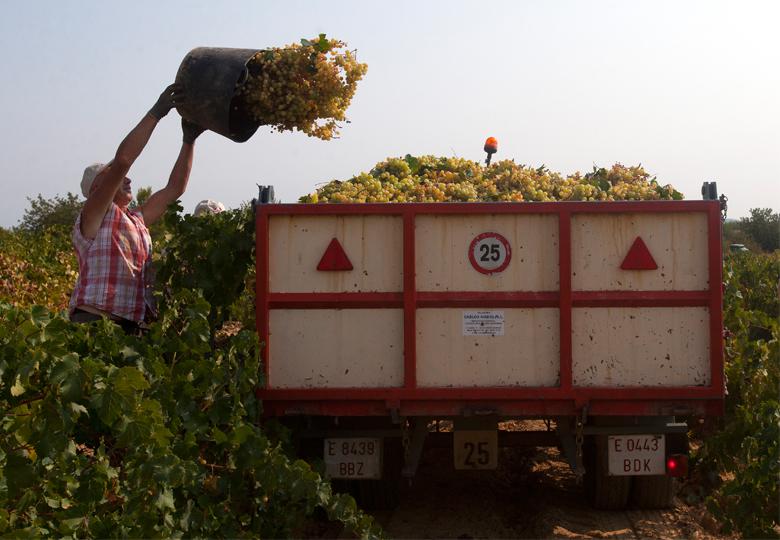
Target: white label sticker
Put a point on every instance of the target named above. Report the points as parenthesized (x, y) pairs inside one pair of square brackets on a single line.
[(483, 323)]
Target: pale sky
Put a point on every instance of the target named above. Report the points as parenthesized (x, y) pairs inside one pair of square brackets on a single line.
[(689, 89)]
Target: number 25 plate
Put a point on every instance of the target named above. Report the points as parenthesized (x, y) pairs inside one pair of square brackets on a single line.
[(353, 458), (636, 455), (476, 449)]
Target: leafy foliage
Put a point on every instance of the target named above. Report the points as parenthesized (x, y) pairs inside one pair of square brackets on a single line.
[(212, 253), (104, 434), (746, 448), (45, 214), (759, 232), (37, 268), (763, 227), (733, 234)]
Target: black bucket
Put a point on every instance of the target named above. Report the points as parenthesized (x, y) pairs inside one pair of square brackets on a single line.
[(210, 77)]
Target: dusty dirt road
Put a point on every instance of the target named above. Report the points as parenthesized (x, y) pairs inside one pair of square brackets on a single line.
[(532, 494)]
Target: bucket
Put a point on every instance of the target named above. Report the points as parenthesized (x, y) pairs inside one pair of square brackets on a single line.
[(210, 77)]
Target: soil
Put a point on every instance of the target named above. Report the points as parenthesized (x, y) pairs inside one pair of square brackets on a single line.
[(532, 494)]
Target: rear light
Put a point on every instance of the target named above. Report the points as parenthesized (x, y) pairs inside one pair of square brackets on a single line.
[(677, 465)]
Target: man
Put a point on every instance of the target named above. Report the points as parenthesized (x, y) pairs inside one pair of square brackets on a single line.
[(208, 207), (112, 242)]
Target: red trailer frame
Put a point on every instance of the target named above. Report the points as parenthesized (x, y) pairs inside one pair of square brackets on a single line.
[(565, 399)]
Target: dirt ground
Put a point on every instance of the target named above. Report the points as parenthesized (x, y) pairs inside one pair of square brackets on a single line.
[(532, 494)]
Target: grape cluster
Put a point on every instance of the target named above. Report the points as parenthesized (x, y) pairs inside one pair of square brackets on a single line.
[(440, 179), (306, 86)]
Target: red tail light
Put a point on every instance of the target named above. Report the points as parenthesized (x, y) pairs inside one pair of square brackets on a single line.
[(677, 465)]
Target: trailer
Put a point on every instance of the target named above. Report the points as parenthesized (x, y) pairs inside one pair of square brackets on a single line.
[(604, 319)]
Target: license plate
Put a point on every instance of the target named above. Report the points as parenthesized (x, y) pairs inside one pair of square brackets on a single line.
[(353, 458), (476, 449), (636, 455)]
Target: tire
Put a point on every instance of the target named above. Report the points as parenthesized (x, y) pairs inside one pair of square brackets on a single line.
[(604, 492), (383, 494), (651, 492)]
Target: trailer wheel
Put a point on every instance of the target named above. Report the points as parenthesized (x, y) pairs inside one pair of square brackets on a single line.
[(604, 492), (653, 491)]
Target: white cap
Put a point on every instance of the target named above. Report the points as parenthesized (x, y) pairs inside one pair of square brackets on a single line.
[(89, 176), (208, 207)]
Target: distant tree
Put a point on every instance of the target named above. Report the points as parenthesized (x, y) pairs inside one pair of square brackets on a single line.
[(157, 230), (141, 196), (763, 227), (733, 234), (47, 214)]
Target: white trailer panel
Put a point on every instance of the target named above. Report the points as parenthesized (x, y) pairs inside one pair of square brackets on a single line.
[(677, 242), (618, 347), (336, 348), (442, 252), (374, 245), (527, 353)]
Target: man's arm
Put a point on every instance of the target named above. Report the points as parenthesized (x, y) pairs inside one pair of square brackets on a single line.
[(110, 180), (155, 205)]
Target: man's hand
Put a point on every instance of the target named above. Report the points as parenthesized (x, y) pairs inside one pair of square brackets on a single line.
[(190, 131), (173, 95)]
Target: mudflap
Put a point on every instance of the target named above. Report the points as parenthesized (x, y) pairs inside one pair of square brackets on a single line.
[(604, 492)]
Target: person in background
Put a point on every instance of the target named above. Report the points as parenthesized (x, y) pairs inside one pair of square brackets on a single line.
[(208, 206), (112, 241)]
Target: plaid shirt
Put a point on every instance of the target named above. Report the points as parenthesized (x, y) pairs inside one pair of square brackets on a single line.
[(114, 271)]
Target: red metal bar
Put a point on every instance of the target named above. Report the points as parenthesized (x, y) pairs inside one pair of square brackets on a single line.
[(515, 299), (335, 300), (531, 408), (640, 298), (565, 305), (496, 393), (410, 302), (490, 208), (509, 299), (716, 297), (262, 314)]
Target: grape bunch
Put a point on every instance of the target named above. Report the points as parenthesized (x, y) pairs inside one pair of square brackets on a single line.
[(306, 86), (441, 179)]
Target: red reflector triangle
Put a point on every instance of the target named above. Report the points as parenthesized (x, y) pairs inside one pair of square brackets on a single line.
[(639, 257), (334, 258)]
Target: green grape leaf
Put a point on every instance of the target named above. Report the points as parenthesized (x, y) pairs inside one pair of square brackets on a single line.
[(128, 380), (109, 404), (39, 314), (19, 474)]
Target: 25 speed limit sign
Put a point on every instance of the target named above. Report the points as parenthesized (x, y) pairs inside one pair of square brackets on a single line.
[(490, 253)]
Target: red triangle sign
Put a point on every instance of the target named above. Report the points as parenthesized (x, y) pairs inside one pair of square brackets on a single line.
[(639, 257), (334, 258)]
